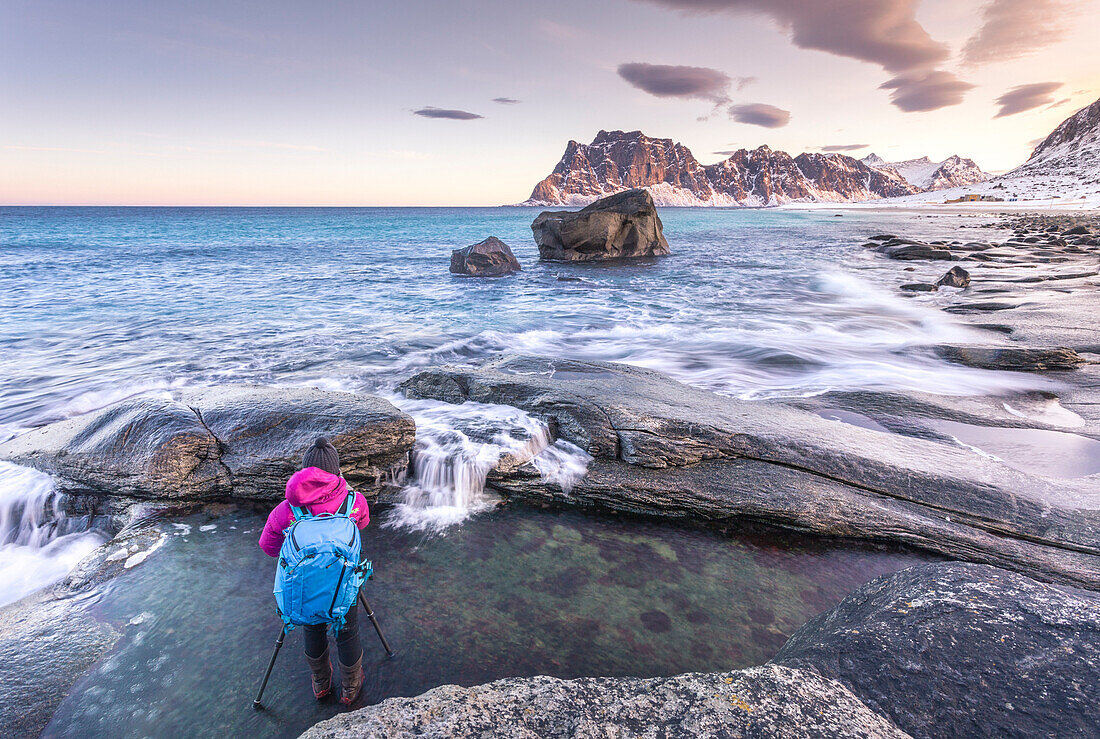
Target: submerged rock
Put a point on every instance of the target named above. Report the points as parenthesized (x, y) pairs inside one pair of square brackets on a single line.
[(488, 258), (46, 644), (955, 649), (940, 650), (768, 701), (230, 442), (919, 287), (1012, 358), (663, 448), (623, 225), (955, 277)]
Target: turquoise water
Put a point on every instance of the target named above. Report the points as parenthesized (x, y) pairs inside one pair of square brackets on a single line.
[(100, 303)]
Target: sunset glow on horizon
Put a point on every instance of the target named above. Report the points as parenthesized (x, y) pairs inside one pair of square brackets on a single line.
[(430, 103)]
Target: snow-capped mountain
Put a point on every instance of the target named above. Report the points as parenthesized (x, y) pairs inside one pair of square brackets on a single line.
[(928, 175), (1064, 167), (1071, 150), (618, 160)]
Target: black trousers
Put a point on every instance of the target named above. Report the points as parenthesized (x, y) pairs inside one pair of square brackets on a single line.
[(348, 648)]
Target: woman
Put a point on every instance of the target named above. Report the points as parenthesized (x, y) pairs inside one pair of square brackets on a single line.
[(318, 488)]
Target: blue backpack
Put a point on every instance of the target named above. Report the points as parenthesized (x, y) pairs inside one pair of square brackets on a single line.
[(319, 573)]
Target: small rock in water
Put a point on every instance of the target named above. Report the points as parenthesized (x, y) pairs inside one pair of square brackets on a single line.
[(656, 621), (488, 258), (919, 287), (955, 277)]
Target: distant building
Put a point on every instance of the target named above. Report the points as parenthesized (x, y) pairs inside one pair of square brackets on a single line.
[(975, 198)]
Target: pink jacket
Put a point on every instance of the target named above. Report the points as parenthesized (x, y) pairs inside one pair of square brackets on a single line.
[(318, 492)]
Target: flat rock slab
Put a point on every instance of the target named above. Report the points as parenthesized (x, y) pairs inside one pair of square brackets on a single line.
[(239, 442), (769, 701), (624, 225), (647, 422), (956, 649), (1012, 358)]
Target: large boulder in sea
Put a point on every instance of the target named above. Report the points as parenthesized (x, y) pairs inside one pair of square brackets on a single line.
[(488, 258), (239, 442), (622, 225), (666, 449), (954, 649), (768, 701)]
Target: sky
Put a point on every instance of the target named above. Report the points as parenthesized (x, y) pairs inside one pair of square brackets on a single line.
[(447, 103)]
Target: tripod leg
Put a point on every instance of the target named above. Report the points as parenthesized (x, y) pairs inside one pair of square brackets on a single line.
[(374, 622), (278, 645)]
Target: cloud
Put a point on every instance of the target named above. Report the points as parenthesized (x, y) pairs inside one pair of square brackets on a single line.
[(844, 147), (454, 115), (726, 153), (924, 91), (665, 80), (882, 32), (506, 101), (760, 114), (1026, 97), (1015, 28), (743, 82)]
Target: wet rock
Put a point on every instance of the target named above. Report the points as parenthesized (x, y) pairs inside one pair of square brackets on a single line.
[(955, 277), (623, 225), (488, 258), (919, 287), (767, 701), (238, 442), (882, 237), (1012, 358), (916, 251), (954, 649), (666, 449), (982, 307), (1076, 230)]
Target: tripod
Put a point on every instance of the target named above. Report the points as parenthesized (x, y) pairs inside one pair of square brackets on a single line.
[(282, 634)]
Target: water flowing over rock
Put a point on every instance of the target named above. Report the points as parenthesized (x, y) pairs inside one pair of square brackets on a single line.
[(768, 701), (952, 650), (616, 227), (228, 442), (488, 258), (39, 543), (663, 448)]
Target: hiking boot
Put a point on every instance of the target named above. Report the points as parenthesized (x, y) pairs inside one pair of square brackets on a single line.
[(321, 671), (351, 677)]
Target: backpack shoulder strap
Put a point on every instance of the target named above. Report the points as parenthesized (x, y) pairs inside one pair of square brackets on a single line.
[(300, 514), (348, 504)]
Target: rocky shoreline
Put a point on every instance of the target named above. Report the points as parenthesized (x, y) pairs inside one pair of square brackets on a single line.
[(883, 472)]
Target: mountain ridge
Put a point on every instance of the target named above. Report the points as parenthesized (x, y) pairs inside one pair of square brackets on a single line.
[(620, 160)]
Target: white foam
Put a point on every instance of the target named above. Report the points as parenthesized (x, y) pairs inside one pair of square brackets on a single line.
[(34, 550), (456, 448)]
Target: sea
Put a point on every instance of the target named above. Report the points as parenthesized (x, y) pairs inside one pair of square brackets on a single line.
[(102, 304)]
